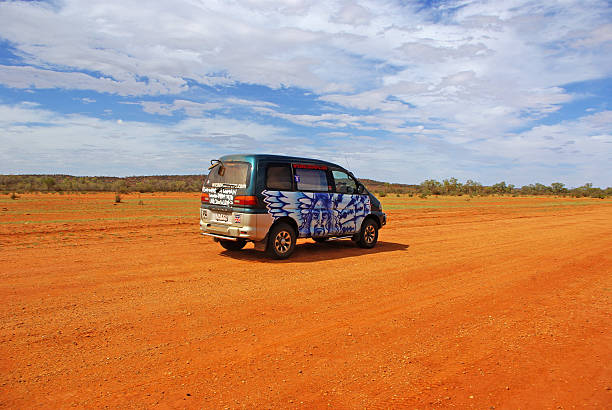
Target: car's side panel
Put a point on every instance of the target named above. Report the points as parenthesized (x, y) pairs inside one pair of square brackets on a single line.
[(319, 214)]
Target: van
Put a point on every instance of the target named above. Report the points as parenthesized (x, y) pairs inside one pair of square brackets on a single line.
[(272, 200)]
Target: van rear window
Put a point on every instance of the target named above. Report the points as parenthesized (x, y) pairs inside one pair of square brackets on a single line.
[(232, 173)]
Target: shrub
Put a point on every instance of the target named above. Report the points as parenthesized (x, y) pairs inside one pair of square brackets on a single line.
[(14, 195), (117, 197)]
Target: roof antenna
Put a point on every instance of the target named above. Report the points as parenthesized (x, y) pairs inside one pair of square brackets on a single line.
[(347, 161)]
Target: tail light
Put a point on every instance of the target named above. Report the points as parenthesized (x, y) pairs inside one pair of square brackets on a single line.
[(205, 198), (243, 200)]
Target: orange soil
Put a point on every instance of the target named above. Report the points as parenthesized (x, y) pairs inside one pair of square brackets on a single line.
[(496, 302)]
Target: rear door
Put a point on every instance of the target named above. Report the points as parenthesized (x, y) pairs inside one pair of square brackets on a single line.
[(225, 182)]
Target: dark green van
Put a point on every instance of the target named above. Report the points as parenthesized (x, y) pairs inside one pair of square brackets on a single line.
[(272, 200)]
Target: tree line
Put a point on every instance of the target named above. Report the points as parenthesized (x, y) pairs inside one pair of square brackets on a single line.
[(69, 183), (452, 186), (193, 183)]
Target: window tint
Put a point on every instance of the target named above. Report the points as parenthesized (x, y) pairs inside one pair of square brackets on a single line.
[(311, 179), (344, 183), (279, 177)]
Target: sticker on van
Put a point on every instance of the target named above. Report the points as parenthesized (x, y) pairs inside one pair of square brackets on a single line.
[(220, 196)]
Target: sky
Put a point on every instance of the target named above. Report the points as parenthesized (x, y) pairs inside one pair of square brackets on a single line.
[(399, 91)]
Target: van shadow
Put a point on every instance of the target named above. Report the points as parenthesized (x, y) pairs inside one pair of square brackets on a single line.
[(316, 252)]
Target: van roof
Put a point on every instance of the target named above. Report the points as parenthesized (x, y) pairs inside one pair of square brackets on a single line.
[(280, 158)]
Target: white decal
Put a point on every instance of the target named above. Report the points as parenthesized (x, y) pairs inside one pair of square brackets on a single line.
[(221, 196)]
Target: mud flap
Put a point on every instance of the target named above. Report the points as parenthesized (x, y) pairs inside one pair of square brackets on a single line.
[(261, 245)]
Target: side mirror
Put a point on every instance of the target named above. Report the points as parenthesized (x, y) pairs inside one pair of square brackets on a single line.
[(360, 189)]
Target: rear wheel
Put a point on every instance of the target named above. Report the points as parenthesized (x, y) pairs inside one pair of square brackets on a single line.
[(368, 235), (281, 241), (232, 245)]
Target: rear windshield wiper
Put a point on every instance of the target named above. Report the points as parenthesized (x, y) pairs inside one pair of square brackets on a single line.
[(214, 163)]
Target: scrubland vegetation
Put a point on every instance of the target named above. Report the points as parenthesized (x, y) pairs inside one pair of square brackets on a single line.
[(11, 184), (69, 183), (452, 186)]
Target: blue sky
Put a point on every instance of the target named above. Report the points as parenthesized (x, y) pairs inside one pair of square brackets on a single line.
[(515, 91)]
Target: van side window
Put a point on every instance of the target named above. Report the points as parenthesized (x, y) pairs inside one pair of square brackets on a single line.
[(344, 183), (311, 179), (279, 177)]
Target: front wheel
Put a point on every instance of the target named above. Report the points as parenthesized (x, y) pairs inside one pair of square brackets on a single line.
[(281, 241), (368, 236), (232, 245)]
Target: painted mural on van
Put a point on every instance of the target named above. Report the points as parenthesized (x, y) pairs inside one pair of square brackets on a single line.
[(319, 214)]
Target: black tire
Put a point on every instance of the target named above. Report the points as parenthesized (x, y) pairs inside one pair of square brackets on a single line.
[(232, 245), (281, 241), (320, 240), (368, 236)]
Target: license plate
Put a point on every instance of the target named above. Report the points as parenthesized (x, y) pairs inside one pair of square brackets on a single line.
[(221, 217)]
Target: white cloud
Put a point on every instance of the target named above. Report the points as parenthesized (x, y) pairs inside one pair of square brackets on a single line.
[(328, 47), (81, 144), (32, 77), (249, 103), (598, 36), (457, 78), (352, 14), (191, 108), (573, 152)]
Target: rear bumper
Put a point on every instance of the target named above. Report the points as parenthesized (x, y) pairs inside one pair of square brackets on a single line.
[(240, 225), (216, 237)]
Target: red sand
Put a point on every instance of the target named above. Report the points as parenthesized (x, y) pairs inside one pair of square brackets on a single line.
[(496, 302)]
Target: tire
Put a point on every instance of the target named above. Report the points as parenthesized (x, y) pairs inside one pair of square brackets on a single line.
[(232, 245), (368, 236), (281, 241), (320, 240)]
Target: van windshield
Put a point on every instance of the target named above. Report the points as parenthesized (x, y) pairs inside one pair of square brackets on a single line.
[(232, 173)]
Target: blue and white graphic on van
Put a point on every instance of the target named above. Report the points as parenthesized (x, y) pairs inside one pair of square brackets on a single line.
[(319, 214)]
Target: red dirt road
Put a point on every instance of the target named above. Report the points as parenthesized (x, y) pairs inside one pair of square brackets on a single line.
[(503, 302)]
